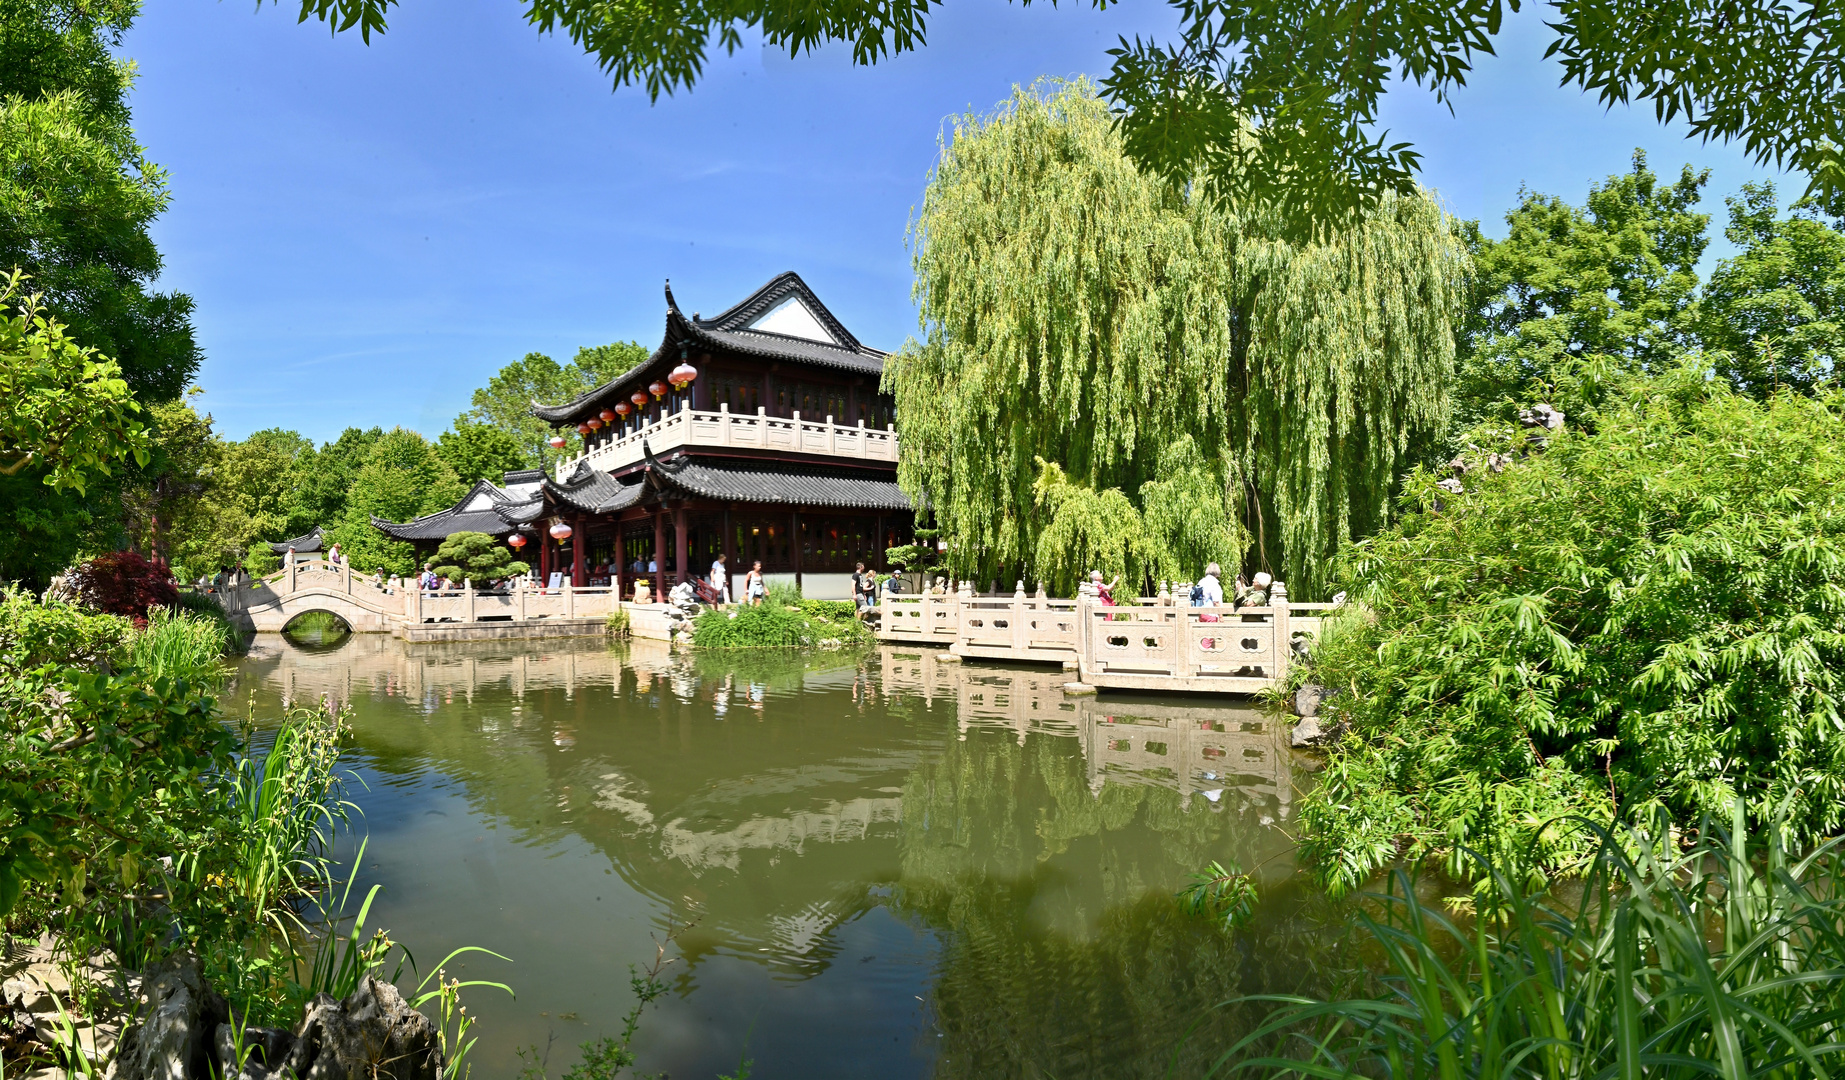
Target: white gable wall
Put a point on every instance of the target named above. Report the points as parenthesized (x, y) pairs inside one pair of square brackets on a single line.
[(791, 317)]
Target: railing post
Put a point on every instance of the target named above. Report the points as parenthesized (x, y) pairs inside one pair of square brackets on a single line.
[(724, 422), (1284, 643), (832, 435), (570, 599), (1021, 620), (413, 600), (519, 600), (294, 568), (1085, 650), (467, 593), (346, 578)]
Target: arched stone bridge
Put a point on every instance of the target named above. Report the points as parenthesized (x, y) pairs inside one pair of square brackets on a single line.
[(270, 603)]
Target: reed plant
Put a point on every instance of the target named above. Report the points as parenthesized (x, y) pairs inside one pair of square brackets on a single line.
[(179, 644), (1720, 954)]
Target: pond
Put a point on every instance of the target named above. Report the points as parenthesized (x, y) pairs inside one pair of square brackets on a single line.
[(894, 866)]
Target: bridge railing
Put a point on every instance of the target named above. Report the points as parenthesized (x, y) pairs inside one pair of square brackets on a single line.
[(404, 601)]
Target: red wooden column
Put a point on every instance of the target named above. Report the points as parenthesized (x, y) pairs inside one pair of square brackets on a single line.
[(681, 557), (544, 556), (794, 544), (578, 541), (659, 555)]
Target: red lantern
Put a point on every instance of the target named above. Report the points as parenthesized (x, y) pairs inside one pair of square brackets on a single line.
[(582, 429), (639, 398), (595, 424), (561, 531), (622, 408), (682, 375), (608, 416), (556, 441), (659, 389), (516, 541)]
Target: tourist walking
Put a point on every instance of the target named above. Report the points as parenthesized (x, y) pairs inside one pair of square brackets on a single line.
[(864, 587), (1105, 592), (753, 588), (718, 578)]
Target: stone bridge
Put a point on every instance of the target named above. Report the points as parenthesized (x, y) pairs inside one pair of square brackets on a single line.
[(270, 603)]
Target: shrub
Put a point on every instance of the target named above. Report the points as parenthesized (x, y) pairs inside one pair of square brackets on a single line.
[(476, 557), (207, 607), (124, 583), (619, 623), (100, 776), (765, 627), (34, 632), (1646, 616)]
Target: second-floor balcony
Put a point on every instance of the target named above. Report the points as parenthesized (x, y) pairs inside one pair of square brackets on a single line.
[(757, 434)]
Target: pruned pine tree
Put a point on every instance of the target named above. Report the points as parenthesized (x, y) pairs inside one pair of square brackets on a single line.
[(1078, 310)]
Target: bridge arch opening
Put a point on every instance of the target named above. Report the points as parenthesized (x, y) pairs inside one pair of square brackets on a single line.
[(317, 629)]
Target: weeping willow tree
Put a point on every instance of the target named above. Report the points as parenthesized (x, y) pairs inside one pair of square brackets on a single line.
[(1249, 400)]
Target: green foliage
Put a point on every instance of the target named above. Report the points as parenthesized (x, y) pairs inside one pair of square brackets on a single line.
[(65, 411), (402, 478), (1088, 530), (1078, 310), (323, 480), (250, 500), (769, 626), (78, 196), (1774, 315), (619, 623), (480, 451), (100, 776), (476, 557), (505, 403), (1646, 615), (1574, 293), (180, 645), (35, 632), (1723, 959), (1278, 103), (1225, 895)]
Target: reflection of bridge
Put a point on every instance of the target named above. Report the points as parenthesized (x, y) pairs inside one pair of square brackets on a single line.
[(1193, 748)]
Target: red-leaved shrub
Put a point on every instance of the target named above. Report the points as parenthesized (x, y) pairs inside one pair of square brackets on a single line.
[(124, 583)]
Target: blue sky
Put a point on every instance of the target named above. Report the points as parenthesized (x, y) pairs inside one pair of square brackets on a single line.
[(371, 231)]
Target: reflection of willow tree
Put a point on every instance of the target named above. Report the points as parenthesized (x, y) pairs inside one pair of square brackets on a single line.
[(1064, 972)]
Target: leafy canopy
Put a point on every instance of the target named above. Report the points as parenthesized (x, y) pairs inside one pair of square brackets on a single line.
[(1647, 616), (402, 478), (476, 557), (64, 410), (1774, 315), (505, 403), (1077, 310), (479, 451), (1277, 102), (77, 194)]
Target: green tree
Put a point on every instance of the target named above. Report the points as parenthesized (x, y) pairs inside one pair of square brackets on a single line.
[(479, 451), (164, 496), (77, 194), (323, 479), (1277, 102), (1078, 310), (247, 504), (476, 557), (1775, 314), (1573, 294), (506, 401), (1645, 616), (402, 478)]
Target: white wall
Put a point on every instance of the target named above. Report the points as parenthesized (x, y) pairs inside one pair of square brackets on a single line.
[(826, 586)]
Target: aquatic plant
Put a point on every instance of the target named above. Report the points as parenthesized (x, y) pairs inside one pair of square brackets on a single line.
[(769, 626), (1724, 958), (178, 644)]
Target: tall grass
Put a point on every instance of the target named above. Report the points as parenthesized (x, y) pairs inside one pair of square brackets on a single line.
[(179, 644), (289, 802), (1718, 956)]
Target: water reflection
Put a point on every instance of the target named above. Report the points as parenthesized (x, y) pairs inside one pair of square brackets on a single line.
[(903, 866)]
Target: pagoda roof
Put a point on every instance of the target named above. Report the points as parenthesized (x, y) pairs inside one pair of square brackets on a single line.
[(806, 487), (593, 491), (486, 508), (781, 321), (301, 544)]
